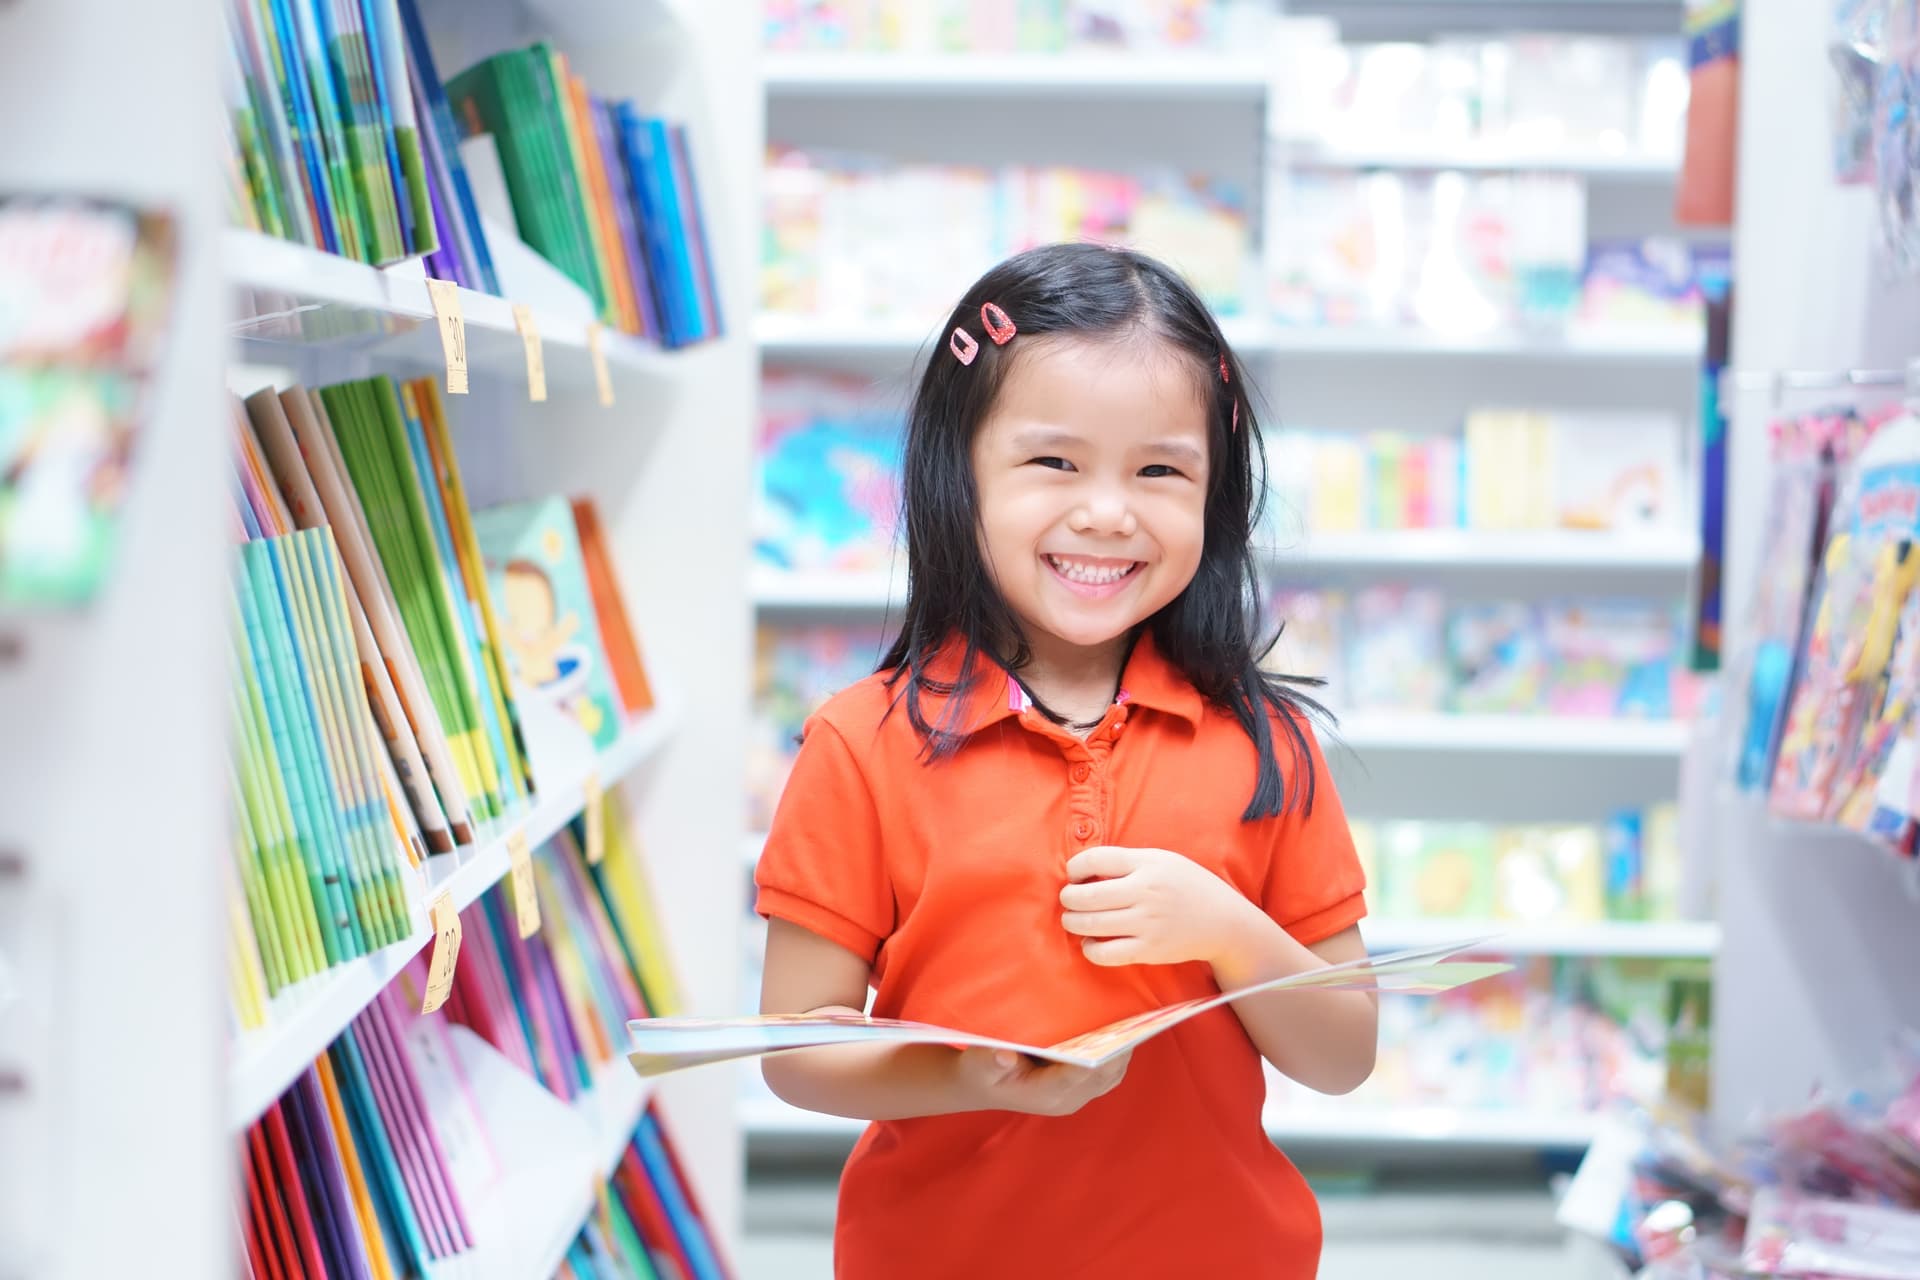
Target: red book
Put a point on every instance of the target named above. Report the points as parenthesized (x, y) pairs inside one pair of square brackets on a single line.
[(283, 1245), (287, 1176), (261, 1264), (616, 626)]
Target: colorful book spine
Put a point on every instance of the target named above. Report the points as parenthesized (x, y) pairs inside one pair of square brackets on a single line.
[(442, 136)]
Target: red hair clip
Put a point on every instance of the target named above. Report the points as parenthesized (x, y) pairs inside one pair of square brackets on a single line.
[(963, 345), (999, 324), (1224, 375)]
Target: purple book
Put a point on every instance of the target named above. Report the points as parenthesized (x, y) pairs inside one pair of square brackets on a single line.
[(606, 134), (400, 1134), (395, 1032), (419, 1126), (443, 263), (332, 1203)]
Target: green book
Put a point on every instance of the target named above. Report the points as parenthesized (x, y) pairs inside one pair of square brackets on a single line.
[(357, 794), (330, 122), (354, 88), (378, 471), (296, 769), (293, 875)]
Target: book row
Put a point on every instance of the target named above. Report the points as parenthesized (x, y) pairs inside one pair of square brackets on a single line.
[(852, 238), (1505, 470), (1824, 694), (1008, 26), (396, 1153), (1532, 92), (390, 644), (343, 136), (1626, 868), (1400, 648)]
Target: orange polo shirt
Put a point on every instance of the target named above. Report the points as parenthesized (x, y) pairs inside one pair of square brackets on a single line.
[(946, 878)]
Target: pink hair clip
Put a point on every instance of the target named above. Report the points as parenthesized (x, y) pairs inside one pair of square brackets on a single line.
[(963, 345), (999, 324), (1224, 375), (1234, 430)]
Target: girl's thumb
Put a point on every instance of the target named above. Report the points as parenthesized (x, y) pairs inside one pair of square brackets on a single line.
[(1005, 1059)]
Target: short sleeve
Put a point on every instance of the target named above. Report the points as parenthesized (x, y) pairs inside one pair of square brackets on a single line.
[(823, 866), (1315, 885)]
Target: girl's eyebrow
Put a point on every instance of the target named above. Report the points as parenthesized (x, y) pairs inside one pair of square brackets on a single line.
[(1179, 451)]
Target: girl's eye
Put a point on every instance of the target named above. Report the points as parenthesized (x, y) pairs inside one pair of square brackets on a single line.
[(1058, 464), (1158, 469)]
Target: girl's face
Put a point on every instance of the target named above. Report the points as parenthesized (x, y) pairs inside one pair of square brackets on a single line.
[(1091, 470)]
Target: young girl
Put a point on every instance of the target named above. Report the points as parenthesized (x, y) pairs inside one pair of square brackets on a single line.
[(1070, 794)]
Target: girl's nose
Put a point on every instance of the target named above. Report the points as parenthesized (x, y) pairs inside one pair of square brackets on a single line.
[(1103, 511)]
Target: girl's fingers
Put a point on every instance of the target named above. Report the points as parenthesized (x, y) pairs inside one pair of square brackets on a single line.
[(1097, 895), (1102, 862), (1111, 952), (1098, 924)]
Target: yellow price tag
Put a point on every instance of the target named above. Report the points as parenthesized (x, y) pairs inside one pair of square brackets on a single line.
[(446, 953), (594, 815), (536, 358), (453, 332), (596, 346), (526, 901)]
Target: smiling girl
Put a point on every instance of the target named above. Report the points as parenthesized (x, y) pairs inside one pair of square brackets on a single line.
[(1070, 794)]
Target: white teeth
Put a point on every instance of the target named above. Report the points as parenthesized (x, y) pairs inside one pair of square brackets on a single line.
[(1088, 574)]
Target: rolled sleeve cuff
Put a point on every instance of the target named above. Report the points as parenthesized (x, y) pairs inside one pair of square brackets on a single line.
[(814, 918), (1322, 924)]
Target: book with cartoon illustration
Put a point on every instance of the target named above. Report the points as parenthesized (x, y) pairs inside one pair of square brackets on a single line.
[(552, 635), (660, 1045)]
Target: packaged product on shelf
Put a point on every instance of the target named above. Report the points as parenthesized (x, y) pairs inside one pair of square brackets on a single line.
[(86, 290), (829, 475), (1616, 471), (1395, 650), (1648, 285), (1309, 637), (1855, 55), (1496, 655), (1615, 658), (1436, 871), (1508, 469), (1336, 249)]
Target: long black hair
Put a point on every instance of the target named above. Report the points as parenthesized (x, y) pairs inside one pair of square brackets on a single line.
[(1210, 631)]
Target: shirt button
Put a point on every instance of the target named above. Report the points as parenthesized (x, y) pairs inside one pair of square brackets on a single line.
[(1083, 829), (1082, 772)]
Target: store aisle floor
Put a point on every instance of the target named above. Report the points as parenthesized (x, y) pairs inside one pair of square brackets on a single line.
[(1492, 1233)]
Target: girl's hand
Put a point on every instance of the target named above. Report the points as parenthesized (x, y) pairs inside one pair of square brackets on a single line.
[(1000, 1080), (1150, 906)]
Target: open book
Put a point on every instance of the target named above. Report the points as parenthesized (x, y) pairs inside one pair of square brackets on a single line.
[(660, 1045)]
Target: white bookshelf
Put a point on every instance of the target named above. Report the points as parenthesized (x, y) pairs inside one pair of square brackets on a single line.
[(1513, 768), (125, 878)]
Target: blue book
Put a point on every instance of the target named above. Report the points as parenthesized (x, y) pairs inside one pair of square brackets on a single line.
[(439, 118), (377, 54), (688, 191), (298, 94), (651, 1144), (384, 1178), (649, 171)]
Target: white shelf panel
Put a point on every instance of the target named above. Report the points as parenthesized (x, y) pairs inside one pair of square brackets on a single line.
[(775, 589), (1570, 736), (1597, 347), (822, 75), (794, 337), (769, 1118), (1679, 939), (525, 1225), (304, 1019), (1481, 159), (1663, 552), (288, 298)]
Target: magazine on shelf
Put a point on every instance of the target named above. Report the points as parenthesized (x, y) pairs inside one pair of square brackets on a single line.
[(661, 1045)]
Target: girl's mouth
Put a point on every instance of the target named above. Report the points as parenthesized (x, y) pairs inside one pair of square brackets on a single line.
[(1093, 576)]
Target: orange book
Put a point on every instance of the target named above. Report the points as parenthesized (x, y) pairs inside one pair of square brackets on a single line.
[(616, 628), (574, 128), (600, 185)]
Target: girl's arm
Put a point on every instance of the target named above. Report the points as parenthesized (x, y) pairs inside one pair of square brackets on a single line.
[(1324, 1039), (808, 974)]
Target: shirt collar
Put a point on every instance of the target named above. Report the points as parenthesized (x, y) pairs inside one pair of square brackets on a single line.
[(994, 695)]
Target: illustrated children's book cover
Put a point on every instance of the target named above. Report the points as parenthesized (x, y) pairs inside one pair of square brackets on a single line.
[(539, 586)]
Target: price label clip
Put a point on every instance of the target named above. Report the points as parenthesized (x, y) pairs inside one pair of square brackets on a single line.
[(445, 296), (446, 953), (526, 900)]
